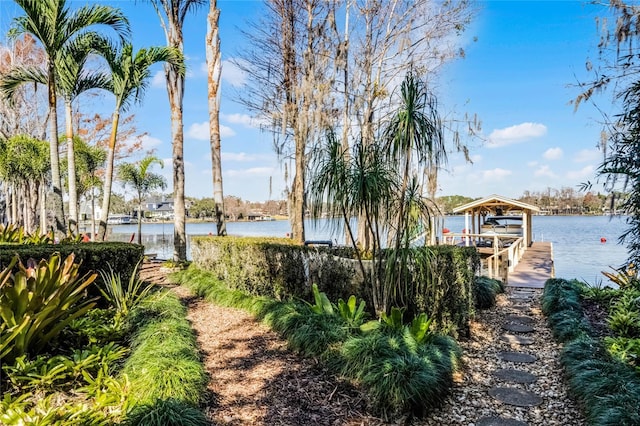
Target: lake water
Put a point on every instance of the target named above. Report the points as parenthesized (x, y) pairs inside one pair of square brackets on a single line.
[(577, 247)]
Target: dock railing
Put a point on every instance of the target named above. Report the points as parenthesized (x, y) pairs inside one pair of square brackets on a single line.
[(507, 251)]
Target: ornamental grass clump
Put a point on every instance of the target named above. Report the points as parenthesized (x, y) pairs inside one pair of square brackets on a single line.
[(608, 389), (166, 412), (485, 290), (164, 361), (402, 366)]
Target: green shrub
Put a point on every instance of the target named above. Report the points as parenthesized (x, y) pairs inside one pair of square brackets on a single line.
[(624, 315), (49, 411), (92, 256), (63, 372), (608, 390), (624, 349), (399, 374), (124, 298), (401, 366), (164, 361), (166, 412), (438, 280), (37, 302), (485, 290)]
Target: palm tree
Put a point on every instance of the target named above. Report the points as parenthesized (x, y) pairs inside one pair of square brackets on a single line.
[(23, 168), (55, 27), (138, 176), (214, 68), (414, 133), (129, 78), (172, 14), (73, 79), (89, 160)]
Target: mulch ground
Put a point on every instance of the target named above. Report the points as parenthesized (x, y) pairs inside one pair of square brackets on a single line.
[(256, 380)]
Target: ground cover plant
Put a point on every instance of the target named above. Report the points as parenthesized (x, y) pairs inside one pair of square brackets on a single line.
[(600, 368), (401, 364), (66, 362)]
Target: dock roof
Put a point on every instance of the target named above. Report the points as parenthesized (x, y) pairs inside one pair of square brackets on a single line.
[(494, 202)]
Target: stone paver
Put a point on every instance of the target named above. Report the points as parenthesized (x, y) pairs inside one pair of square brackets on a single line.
[(521, 319), (517, 357), (514, 339), (518, 328), (499, 421), (515, 396)]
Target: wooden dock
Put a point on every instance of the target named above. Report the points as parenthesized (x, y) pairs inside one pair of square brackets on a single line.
[(535, 267)]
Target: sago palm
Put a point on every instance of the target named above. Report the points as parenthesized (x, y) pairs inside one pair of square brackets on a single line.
[(55, 26), (129, 78), (143, 181)]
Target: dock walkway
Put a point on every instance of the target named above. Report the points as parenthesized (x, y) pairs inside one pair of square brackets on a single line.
[(535, 267)]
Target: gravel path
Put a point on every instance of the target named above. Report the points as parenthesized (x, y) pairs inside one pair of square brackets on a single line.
[(470, 400), (256, 380)]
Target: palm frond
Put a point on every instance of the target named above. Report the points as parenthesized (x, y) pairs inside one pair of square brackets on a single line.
[(19, 75)]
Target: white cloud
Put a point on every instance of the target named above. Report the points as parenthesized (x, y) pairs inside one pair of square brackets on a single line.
[(147, 143), (245, 120), (243, 157), (200, 131), (226, 132), (475, 159), (232, 74), (495, 174), (516, 134), (553, 154), (250, 172), (588, 155), (544, 171), (584, 173), (532, 163), (159, 79)]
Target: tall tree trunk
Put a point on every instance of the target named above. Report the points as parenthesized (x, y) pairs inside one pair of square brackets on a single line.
[(56, 184), (43, 208), (71, 163), (93, 214), (175, 88), (14, 205), (296, 198), (214, 68), (108, 177), (140, 219)]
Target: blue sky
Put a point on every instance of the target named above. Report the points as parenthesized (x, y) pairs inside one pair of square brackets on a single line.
[(515, 77)]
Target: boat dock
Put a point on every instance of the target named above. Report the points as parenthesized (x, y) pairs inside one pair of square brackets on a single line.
[(501, 230), (535, 267)]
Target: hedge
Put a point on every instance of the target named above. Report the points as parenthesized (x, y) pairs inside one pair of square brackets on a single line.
[(282, 269), (95, 256)]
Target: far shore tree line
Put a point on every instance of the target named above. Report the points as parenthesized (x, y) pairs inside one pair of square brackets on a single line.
[(563, 201)]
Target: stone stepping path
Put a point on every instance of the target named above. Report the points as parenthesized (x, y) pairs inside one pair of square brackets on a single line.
[(499, 421), (518, 357), (514, 339), (520, 300), (515, 376), (515, 396), (517, 328), (520, 319)]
